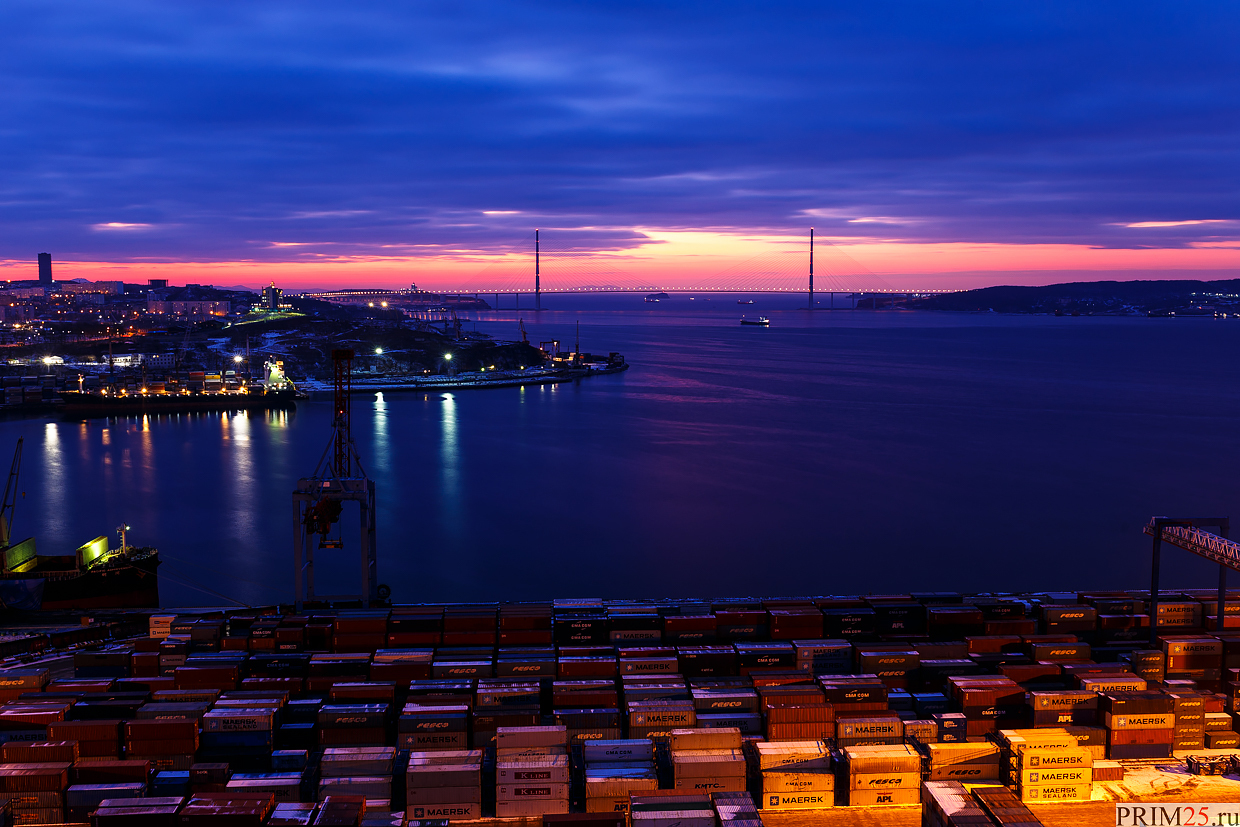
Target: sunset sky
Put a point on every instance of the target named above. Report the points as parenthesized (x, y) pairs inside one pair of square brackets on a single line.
[(378, 144)]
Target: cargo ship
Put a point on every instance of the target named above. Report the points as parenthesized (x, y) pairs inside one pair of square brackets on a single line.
[(761, 321), (101, 403), (559, 370), (94, 576)]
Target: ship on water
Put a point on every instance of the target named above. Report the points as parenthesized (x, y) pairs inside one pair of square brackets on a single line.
[(198, 391), (94, 576)]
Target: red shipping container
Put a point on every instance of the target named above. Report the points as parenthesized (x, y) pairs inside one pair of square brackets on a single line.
[(152, 684), (403, 640), (1019, 626), (525, 637), (469, 621), (359, 691), (360, 625), (792, 624), (39, 752), (349, 737), (358, 643), (224, 678), (399, 672), (111, 772), (144, 664), (993, 644), (161, 729), (291, 685), (588, 667), (479, 638)]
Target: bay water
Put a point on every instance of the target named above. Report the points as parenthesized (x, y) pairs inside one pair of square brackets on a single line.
[(831, 453)]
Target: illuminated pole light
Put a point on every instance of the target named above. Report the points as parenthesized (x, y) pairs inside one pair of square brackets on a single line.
[(378, 351)]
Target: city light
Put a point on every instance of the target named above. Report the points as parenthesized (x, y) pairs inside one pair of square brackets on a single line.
[(238, 359), (447, 357), (47, 360), (378, 351)]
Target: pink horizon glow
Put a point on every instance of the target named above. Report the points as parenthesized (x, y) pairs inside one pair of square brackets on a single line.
[(687, 259)]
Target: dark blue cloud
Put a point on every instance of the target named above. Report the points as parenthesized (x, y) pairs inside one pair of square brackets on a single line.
[(353, 128)]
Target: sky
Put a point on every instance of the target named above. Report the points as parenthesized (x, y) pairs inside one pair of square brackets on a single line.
[(380, 144)]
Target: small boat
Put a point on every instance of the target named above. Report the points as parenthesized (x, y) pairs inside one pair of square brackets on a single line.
[(744, 301), (656, 297), (761, 321)]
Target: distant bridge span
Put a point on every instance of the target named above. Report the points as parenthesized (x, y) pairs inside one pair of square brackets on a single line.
[(539, 271)]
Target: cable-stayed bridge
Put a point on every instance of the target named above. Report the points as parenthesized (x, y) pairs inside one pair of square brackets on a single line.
[(813, 267)]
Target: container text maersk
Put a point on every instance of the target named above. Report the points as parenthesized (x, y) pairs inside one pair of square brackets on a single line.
[(1177, 815), (803, 798)]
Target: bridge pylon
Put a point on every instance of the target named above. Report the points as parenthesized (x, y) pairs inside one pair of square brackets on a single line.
[(811, 268)]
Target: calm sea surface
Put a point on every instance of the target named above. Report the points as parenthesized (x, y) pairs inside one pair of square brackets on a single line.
[(833, 453)]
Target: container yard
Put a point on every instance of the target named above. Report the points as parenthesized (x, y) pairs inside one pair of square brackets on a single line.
[(938, 709)]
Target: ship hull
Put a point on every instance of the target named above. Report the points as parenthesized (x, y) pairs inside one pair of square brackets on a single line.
[(132, 586), (95, 405)]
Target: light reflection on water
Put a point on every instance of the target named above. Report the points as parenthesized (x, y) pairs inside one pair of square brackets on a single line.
[(383, 449), (450, 466)]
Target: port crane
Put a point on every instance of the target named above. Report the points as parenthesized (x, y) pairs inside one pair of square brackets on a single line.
[(1189, 534), (9, 505), (320, 499)]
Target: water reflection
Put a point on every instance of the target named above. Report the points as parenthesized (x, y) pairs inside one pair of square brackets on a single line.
[(56, 487), (382, 450), (146, 462), (241, 456), (449, 463)]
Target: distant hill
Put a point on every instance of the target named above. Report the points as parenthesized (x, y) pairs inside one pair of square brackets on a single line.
[(1096, 297)]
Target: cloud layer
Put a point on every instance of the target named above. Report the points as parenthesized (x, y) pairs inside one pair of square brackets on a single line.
[(289, 131)]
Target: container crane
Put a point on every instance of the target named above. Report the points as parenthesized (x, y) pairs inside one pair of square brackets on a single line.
[(1187, 533), (319, 501), (9, 504)]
